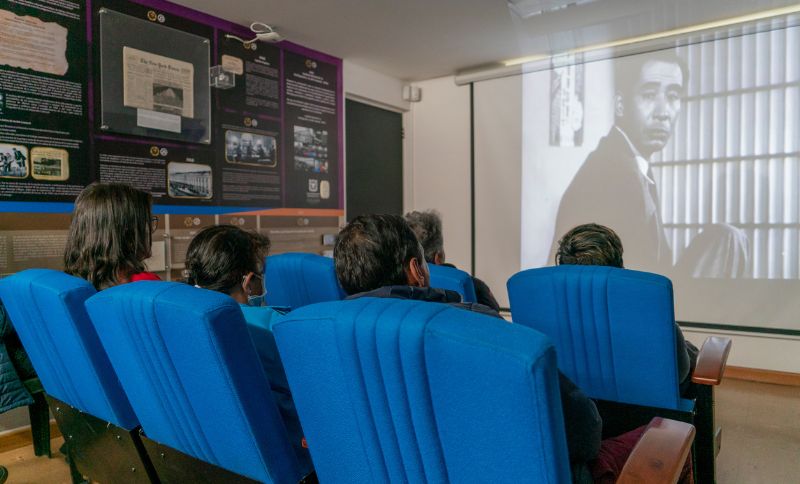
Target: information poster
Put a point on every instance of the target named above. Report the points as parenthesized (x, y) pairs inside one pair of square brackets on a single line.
[(120, 91), (249, 151), (311, 130), (43, 93), (153, 73), (173, 174), (257, 70)]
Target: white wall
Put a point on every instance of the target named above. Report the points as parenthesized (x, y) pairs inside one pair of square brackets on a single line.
[(754, 350), (498, 189), (366, 85), (438, 156)]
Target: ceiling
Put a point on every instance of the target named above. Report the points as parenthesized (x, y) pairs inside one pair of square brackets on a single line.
[(420, 39)]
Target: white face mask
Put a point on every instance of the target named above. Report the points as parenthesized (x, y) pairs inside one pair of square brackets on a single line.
[(260, 299)]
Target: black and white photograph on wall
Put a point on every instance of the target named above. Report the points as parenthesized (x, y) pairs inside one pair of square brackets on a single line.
[(691, 154), (167, 99), (49, 164), (310, 150), (250, 148), (189, 180), (13, 161)]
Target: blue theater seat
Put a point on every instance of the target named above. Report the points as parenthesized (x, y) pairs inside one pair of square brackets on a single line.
[(185, 358), (443, 277), (47, 310), (297, 279), (405, 391), (614, 329), (614, 333)]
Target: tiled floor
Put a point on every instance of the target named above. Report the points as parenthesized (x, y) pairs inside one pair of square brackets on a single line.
[(760, 439)]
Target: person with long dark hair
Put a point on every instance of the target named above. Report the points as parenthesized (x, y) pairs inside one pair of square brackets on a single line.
[(110, 235)]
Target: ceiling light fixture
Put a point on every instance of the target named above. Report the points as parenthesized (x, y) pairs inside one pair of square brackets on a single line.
[(777, 12), (531, 8)]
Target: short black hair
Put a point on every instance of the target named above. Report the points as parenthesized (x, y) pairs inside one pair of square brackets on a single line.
[(628, 69), (219, 257), (372, 251), (590, 244), (427, 226)]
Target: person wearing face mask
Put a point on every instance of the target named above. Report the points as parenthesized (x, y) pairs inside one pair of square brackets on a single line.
[(380, 256), (230, 260)]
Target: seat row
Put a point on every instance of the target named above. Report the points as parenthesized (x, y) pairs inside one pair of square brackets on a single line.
[(160, 382), (598, 318)]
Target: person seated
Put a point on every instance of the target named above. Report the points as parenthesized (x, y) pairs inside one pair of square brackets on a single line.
[(379, 256), (230, 260), (593, 244), (427, 226), (110, 235)]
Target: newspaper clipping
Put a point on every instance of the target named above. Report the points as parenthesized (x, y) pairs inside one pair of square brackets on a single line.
[(158, 83)]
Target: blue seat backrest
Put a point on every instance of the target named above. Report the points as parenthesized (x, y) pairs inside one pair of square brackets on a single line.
[(297, 279), (47, 310), (443, 277), (394, 390), (185, 357), (614, 329)]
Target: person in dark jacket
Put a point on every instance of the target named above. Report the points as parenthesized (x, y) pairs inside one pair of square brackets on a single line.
[(598, 245), (427, 226), (14, 367), (379, 256)]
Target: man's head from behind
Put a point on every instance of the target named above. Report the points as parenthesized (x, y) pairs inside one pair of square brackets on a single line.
[(427, 226), (649, 93), (374, 251), (590, 244)]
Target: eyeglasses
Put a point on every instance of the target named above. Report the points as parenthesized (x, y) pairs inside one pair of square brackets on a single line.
[(255, 274), (154, 223)]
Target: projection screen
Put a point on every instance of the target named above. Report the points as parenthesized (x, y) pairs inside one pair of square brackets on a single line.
[(689, 153)]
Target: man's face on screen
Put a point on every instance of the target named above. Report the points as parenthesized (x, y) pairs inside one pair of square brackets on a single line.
[(649, 112)]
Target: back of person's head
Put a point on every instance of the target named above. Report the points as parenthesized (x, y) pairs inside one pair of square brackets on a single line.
[(374, 251), (110, 235), (219, 258), (590, 244), (427, 226)]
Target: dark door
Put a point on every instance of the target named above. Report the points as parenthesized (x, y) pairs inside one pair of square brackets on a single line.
[(374, 160)]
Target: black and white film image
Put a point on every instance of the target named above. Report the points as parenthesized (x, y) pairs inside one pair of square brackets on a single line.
[(167, 99), (189, 180), (692, 155), (49, 164), (250, 148), (310, 150), (13, 161)]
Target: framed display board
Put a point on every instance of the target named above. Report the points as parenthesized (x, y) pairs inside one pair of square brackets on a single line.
[(154, 80), (119, 91)]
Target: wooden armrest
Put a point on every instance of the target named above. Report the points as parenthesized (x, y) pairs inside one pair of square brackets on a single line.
[(660, 454), (712, 360)]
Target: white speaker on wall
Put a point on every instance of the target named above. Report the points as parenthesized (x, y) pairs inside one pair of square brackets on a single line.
[(412, 94)]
